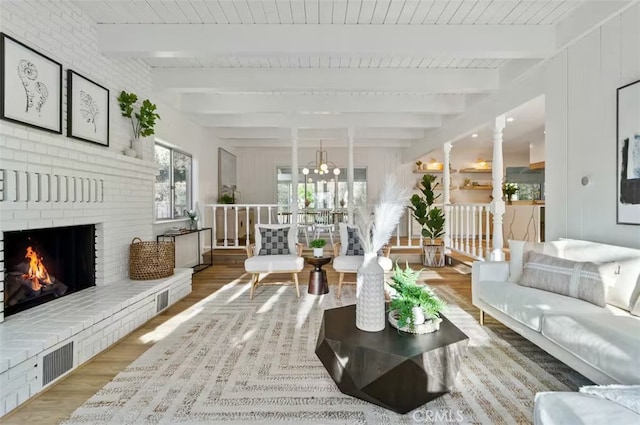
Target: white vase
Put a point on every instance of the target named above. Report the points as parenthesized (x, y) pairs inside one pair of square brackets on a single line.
[(318, 252), (370, 311), (129, 152), (138, 147)]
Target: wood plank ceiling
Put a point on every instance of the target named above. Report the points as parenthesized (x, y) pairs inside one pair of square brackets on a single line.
[(383, 91)]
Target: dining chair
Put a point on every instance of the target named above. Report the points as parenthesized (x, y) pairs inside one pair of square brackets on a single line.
[(323, 222)]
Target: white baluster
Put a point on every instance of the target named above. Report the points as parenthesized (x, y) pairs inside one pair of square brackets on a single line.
[(473, 230), (466, 246), (498, 206)]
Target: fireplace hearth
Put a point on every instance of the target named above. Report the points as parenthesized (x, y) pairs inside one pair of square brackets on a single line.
[(44, 264)]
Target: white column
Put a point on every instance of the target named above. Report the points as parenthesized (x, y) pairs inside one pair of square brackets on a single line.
[(350, 204), (497, 204), (294, 179), (446, 181)]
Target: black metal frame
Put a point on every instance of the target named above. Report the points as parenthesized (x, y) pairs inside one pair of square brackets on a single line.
[(200, 266), (631, 186), (70, 77)]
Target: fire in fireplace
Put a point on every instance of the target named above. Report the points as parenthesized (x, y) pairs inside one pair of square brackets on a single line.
[(45, 264)]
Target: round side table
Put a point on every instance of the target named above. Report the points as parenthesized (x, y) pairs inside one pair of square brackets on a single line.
[(317, 277)]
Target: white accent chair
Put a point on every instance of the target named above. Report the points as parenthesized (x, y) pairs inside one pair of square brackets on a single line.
[(257, 262), (343, 263)]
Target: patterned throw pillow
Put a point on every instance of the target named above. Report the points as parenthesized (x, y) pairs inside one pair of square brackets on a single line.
[(353, 242), (274, 241), (565, 277)]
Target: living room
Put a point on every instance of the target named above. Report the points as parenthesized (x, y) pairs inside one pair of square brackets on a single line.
[(248, 104)]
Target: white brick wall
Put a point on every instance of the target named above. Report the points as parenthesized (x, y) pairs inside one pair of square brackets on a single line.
[(49, 180), (111, 190)]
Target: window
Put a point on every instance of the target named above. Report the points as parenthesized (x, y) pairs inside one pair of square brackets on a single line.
[(321, 190), (173, 183)]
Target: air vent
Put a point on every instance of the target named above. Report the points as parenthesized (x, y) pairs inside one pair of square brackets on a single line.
[(162, 301), (57, 363)]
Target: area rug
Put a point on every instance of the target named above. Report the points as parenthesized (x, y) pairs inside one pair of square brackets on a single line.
[(229, 359)]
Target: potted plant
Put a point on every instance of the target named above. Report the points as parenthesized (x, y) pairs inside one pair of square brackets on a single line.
[(318, 247), (508, 190), (193, 219), (226, 199), (143, 119), (431, 220), (418, 165), (413, 308)]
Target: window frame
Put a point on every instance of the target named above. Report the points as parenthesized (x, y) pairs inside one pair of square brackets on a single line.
[(172, 186)]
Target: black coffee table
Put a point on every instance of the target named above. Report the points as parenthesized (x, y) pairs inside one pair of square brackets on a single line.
[(392, 369)]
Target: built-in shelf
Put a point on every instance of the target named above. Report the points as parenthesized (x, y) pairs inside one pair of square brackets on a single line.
[(476, 170), (432, 171), (477, 187), (439, 188)]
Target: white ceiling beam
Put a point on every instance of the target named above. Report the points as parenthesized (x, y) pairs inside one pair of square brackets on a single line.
[(337, 135), (372, 120), (329, 103), (459, 41), (431, 80), (326, 143), (587, 16)]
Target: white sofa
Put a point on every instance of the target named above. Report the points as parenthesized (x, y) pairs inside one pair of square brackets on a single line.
[(602, 343)]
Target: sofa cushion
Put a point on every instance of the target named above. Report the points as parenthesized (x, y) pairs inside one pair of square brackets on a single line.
[(527, 305), (273, 263), (572, 278), (274, 241), (351, 263), (609, 342), (291, 236), (354, 247), (625, 290), (516, 257), (564, 408)]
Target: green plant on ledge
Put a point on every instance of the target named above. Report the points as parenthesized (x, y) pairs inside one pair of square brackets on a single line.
[(409, 296), (226, 199), (317, 243), (508, 190), (143, 121)]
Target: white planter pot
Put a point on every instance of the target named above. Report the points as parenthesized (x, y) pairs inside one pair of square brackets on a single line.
[(434, 255), (138, 147), (318, 252), (418, 316), (129, 152), (370, 308)]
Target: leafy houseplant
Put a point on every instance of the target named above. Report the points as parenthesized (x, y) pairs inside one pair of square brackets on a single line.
[(508, 190), (430, 218), (318, 245), (143, 116), (413, 308), (193, 219), (226, 199)]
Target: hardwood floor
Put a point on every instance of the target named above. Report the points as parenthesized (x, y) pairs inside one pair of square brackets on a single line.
[(60, 400)]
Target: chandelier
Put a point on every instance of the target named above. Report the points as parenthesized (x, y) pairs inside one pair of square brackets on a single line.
[(321, 165)]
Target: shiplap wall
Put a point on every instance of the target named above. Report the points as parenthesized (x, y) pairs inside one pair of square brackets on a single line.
[(581, 83)]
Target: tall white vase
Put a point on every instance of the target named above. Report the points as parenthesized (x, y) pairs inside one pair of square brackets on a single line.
[(370, 315)]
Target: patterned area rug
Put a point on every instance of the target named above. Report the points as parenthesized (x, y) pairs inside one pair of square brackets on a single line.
[(231, 360)]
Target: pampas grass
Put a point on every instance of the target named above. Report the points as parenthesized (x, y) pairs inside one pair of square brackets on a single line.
[(375, 228)]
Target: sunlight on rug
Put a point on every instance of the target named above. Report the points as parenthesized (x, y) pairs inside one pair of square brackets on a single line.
[(228, 359)]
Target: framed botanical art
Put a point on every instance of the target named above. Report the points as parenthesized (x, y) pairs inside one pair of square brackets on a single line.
[(87, 109), (628, 154), (31, 86)]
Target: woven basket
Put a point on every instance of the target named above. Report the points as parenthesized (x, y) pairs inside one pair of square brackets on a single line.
[(151, 260)]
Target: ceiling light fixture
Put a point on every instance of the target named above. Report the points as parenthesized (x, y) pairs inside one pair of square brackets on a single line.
[(474, 135), (321, 165), (510, 119)]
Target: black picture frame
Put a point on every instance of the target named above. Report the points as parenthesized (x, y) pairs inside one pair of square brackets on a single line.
[(628, 154), (87, 109), (31, 86)]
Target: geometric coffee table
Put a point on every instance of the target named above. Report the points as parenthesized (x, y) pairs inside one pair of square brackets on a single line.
[(392, 369)]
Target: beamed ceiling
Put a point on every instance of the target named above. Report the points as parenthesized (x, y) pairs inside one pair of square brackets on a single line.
[(393, 70)]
